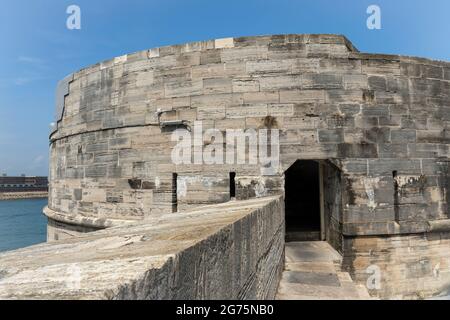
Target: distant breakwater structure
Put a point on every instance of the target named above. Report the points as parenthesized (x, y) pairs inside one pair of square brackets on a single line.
[(23, 195), (23, 187)]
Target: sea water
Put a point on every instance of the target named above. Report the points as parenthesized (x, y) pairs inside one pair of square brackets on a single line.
[(22, 223)]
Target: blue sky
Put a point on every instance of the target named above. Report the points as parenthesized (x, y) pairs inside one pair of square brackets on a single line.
[(37, 49)]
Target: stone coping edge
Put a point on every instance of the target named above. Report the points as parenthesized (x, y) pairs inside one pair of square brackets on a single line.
[(98, 223), (395, 228)]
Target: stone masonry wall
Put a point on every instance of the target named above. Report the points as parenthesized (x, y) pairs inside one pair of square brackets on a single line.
[(410, 267), (376, 114), (382, 119), (225, 251)]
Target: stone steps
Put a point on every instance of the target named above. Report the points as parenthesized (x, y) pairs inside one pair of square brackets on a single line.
[(302, 236), (312, 272)]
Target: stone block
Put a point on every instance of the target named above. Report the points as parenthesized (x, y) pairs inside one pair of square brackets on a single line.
[(269, 66), (434, 72), (304, 65), (217, 85), (105, 157), (360, 214), (355, 166), (210, 57), (210, 112), (94, 195), (398, 84), (386, 167), (114, 171), (224, 43), (77, 194), (244, 53), (431, 136), (299, 136), (403, 136), (119, 143), (95, 171), (245, 85), (322, 81), (341, 65), (424, 150), (380, 66), (280, 110), (207, 70), (377, 83), (375, 110), (446, 73), (169, 75), (352, 150), (380, 135), (287, 51), (252, 110), (307, 123), (409, 122), (97, 147), (261, 97), (234, 123), (305, 109), (216, 100), (355, 82), (331, 136), (410, 70), (302, 96), (183, 89), (344, 96), (389, 150), (280, 82)]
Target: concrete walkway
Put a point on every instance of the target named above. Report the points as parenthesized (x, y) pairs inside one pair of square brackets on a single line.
[(312, 272)]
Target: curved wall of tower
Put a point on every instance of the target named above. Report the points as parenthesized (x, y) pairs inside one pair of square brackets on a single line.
[(380, 121)]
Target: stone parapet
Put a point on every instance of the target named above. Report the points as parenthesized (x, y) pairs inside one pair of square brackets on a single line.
[(226, 251)]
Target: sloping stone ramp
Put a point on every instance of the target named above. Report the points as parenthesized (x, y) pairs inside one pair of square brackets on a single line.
[(312, 272)]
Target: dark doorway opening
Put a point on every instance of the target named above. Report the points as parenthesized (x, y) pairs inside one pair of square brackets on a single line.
[(302, 201), (232, 185), (174, 192)]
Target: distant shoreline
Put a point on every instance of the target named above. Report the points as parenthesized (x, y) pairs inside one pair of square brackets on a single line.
[(23, 195)]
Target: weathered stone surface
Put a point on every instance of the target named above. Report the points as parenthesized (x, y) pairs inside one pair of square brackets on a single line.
[(419, 268), (382, 119), (312, 272), (159, 259)]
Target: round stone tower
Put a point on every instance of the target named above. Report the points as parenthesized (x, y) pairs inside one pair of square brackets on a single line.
[(363, 147)]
